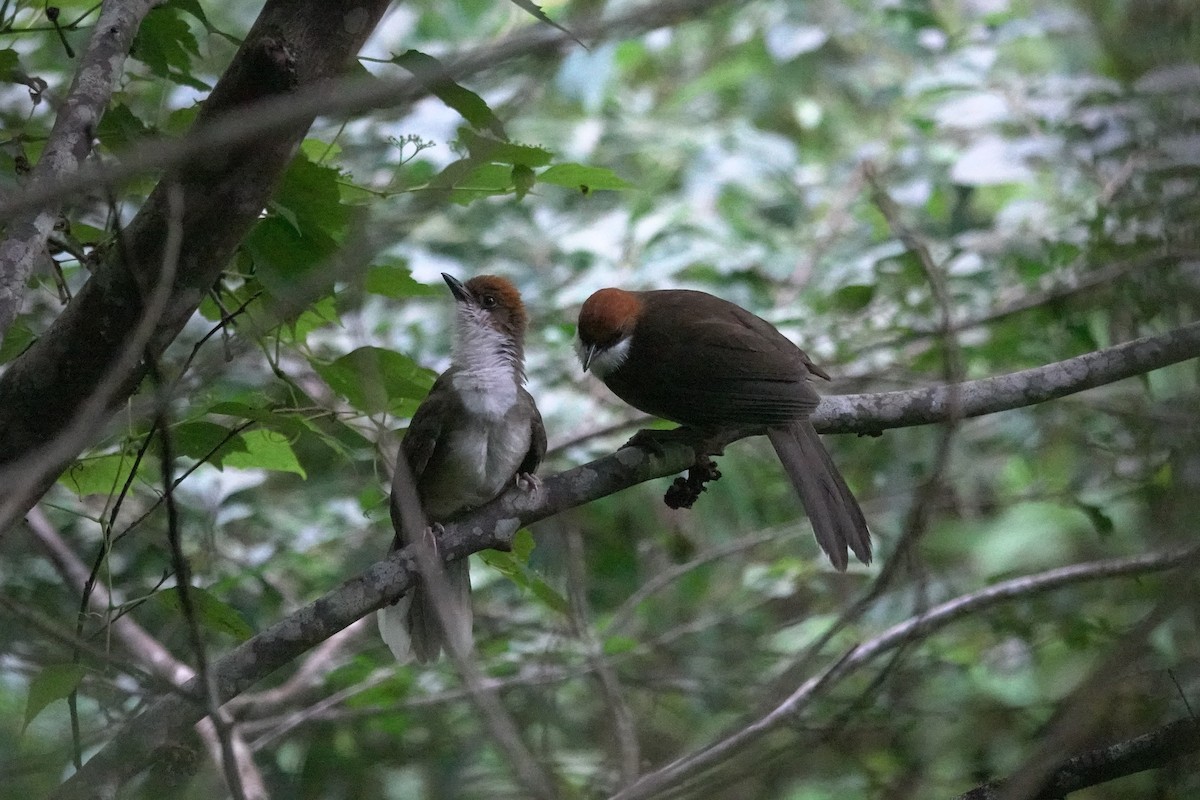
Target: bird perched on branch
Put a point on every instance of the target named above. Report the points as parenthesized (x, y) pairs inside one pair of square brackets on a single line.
[(476, 433), (701, 361)]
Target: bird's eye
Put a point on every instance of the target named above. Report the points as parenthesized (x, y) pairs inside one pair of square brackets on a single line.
[(489, 301)]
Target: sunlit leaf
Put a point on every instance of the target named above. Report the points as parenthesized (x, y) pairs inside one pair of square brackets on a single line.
[(583, 178)]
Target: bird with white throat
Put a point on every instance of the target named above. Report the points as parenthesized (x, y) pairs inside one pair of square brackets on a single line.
[(475, 434), (710, 365)]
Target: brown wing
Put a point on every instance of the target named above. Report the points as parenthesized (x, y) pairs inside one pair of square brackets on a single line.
[(421, 440), (537, 439), (717, 365)]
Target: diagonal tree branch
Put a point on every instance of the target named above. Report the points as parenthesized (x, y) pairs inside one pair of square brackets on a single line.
[(494, 525), (69, 144)]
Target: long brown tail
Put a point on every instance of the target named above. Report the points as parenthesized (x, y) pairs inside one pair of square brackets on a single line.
[(410, 627), (837, 520)]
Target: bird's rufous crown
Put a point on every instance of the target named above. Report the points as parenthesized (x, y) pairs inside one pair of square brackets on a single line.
[(608, 316)]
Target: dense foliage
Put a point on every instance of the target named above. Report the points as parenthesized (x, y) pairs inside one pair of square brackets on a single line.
[(917, 192)]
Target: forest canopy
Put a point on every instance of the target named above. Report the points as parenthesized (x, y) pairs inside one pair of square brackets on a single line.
[(222, 233)]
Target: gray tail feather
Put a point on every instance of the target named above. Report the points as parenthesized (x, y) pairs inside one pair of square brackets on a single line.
[(837, 521), (411, 627)]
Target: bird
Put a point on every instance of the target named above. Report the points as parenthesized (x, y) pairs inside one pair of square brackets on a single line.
[(475, 434), (710, 365)]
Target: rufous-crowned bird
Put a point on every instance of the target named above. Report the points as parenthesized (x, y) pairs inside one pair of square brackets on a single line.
[(475, 434), (710, 365)]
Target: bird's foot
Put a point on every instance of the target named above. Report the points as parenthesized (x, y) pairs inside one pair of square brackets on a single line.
[(433, 535), (684, 492), (529, 483)]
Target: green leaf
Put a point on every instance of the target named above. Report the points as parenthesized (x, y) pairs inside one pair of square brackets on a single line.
[(119, 127), (615, 645), (374, 380), (469, 105), (287, 424), (288, 262), (52, 682), (293, 248), (523, 179), (393, 279), (1101, 521), (312, 193), (9, 61), (853, 298), (165, 44), (485, 148), (16, 339), (261, 449), (211, 613), (199, 439), (97, 474), (584, 178), (514, 565), (522, 545), (484, 181)]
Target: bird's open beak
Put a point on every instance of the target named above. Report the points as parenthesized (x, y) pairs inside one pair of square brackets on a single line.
[(457, 288)]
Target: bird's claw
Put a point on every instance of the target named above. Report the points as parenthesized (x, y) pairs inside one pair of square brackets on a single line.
[(529, 483), (431, 537)]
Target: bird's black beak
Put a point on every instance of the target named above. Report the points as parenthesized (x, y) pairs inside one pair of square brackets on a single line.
[(587, 353), (460, 292)]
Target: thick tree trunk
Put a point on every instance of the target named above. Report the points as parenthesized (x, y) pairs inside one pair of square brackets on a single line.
[(56, 395)]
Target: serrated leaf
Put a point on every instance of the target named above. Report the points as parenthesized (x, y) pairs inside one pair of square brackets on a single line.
[(374, 380), (261, 449), (52, 682), (484, 149), (469, 105), (211, 612), (536, 10), (583, 178), (97, 474), (165, 44)]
